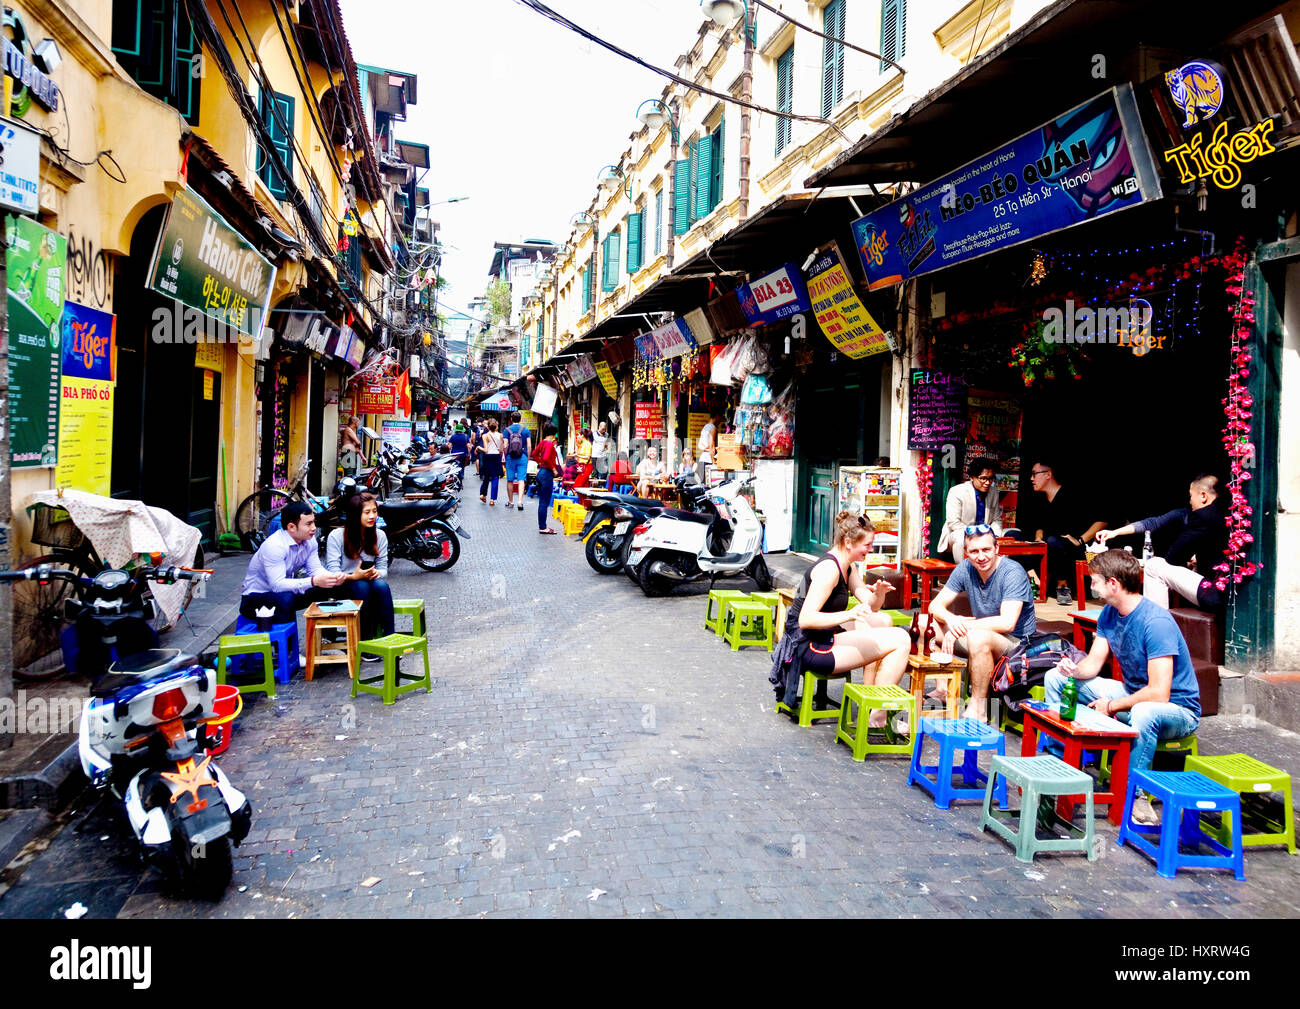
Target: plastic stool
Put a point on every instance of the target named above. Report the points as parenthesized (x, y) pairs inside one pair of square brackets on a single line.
[(284, 645), (806, 713), (1009, 724), (1249, 777), (1184, 795), (715, 614), (574, 517), (1040, 779), (899, 618), (759, 616), (413, 608), (772, 599), (391, 648), (231, 645), (869, 698), (953, 734)]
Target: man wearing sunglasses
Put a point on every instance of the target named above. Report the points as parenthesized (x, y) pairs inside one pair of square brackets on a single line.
[(1062, 527), (1002, 603), (974, 502)]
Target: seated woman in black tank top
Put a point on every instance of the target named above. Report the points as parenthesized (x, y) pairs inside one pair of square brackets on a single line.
[(815, 623)]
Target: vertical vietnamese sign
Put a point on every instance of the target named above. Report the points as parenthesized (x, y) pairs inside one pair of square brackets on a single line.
[(840, 313), (34, 280), (89, 346)]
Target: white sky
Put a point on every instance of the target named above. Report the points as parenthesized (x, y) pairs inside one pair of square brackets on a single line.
[(520, 113)]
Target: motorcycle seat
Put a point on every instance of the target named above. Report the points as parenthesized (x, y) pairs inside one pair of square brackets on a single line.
[(727, 559), (138, 668), (677, 513), (414, 509)]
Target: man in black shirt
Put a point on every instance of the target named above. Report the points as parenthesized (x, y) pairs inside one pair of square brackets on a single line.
[(1202, 538), (1062, 526)]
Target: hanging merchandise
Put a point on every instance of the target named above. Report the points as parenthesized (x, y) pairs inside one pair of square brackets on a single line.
[(723, 361), (778, 435), (751, 358), (755, 391)]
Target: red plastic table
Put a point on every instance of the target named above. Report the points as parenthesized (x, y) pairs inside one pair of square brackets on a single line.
[(1085, 622), (927, 569), (1028, 548), (1076, 738)]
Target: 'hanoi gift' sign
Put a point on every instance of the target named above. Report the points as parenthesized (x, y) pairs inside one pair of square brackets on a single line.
[(1091, 161)]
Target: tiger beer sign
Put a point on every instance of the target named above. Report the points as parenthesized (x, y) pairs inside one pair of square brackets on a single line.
[(1197, 89)]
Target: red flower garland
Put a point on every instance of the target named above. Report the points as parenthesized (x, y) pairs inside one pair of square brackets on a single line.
[(924, 484), (1236, 431)]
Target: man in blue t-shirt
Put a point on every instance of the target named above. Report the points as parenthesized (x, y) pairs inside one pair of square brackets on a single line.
[(1002, 603), (516, 435), (1159, 695)]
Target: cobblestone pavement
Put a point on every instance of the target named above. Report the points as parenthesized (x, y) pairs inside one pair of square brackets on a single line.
[(586, 751)]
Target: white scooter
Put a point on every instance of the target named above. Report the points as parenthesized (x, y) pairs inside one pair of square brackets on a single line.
[(722, 541)]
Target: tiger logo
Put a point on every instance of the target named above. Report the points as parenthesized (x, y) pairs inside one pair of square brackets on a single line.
[(1195, 87)]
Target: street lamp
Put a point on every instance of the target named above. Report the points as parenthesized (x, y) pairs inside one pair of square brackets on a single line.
[(582, 222), (610, 176), (654, 113), (725, 12)]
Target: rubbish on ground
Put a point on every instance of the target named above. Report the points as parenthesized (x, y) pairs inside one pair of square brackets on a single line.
[(77, 910), (370, 882)]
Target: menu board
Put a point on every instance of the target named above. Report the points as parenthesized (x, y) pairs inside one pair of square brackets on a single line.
[(34, 282), (649, 421), (936, 413), (993, 430)]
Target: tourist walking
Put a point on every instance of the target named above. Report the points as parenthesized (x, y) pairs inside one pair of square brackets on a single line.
[(548, 467), (493, 446)]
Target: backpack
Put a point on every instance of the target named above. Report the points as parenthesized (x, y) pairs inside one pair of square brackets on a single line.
[(1027, 664), (516, 446)]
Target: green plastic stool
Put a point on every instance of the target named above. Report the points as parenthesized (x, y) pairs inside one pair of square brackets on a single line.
[(413, 608), (247, 644), (391, 648), (870, 698), (772, 599), (761, 623), (1017, 726), (1041, 779), (806, 714), (717, 610), (899, 617), (1185, 745), (1248, 776)]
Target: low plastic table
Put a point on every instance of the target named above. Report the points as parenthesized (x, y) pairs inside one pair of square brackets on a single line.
[(1098, 732), (927, 570)]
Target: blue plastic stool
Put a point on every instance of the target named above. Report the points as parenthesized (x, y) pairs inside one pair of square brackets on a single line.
[(284, 648), (1184, 795), (952, 734), (625, 488)]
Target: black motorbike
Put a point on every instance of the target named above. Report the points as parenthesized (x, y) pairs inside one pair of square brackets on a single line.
[(422, 529), (611, 517)]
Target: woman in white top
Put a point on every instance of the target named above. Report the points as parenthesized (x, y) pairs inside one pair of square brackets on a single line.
[(359, 549), (493, 447), (648, 470)]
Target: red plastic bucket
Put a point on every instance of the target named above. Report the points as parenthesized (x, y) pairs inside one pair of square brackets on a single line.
[(225, 709)]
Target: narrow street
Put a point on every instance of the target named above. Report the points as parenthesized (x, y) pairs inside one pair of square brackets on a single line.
[(586, 751)]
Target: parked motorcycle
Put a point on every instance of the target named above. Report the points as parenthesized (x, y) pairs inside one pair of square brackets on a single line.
[(424, 529), (611, 516), (678, 546), (147, 725)]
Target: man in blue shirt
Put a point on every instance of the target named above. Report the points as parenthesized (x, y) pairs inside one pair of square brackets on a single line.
[(1002, 601), (272, 579), (1159, 695), (516, 465)]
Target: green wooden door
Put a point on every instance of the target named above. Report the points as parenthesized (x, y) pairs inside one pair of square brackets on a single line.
[(817, 508)]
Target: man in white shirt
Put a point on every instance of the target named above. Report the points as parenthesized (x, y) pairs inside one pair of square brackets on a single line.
[(972, 503), (270, 580), (707, 446)]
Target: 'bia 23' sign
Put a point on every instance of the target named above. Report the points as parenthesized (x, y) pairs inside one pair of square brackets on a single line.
[(1197, 89)]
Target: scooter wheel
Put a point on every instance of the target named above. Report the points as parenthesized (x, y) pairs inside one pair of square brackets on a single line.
[(604, 553), (652, 584), (203, 871)]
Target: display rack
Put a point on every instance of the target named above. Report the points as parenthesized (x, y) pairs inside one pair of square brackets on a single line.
[(874, 491)]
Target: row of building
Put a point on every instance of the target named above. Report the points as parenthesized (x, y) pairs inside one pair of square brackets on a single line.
[(227, 227), (876, 267)]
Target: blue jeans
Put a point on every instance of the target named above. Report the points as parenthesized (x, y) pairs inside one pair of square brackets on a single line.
[(545, 488), (1153, 720), (376, 600)]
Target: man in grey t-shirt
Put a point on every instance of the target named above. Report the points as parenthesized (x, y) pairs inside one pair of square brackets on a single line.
[(1002, 604)]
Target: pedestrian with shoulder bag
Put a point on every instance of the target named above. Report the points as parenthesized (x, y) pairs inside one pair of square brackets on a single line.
[(548, 467)]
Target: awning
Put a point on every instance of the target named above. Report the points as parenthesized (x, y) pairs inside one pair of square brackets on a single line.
[(497, 401)]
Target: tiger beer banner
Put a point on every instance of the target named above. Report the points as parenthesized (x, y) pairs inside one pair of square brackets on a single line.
[(1092, 161)]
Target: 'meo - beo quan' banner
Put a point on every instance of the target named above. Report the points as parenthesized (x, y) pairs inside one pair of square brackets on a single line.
[(202, 262), (1091, 161)]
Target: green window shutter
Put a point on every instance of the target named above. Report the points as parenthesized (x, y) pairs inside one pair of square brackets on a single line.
[(784, 96), (609, 276), (633, 243), (703, 175), (586, 290), (658, 222), (893, 31), (681, 197), (277, 116), (715, 178), (832, 56)]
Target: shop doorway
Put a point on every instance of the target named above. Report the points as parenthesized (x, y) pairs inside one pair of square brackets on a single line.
[(205, 436), (316, 428)]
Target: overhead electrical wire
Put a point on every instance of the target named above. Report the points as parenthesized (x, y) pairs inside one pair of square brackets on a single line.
[(831, 38), (560, 19)]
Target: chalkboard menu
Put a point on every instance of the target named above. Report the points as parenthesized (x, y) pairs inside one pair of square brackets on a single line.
[(936, 415)]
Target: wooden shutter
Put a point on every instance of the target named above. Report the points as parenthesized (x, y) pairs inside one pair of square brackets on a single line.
[(633, 242), (681, 197), (703, 176), (832, 57), (583, 279), (609, 274), (277, 115), (784, 96), (893, 31), (659, 222), (715, 178)]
